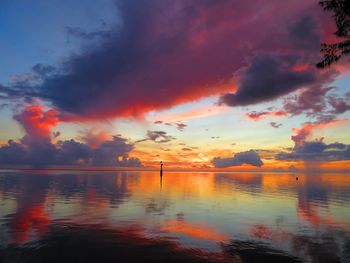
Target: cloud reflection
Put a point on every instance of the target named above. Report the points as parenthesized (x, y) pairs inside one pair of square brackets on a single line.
[(232, 216)]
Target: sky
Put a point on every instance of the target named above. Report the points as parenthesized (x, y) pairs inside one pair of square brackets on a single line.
[(200, 84)]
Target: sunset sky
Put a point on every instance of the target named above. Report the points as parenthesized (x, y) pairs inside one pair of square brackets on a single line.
[(200, 84)]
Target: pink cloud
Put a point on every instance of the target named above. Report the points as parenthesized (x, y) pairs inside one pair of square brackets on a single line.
[(257, 116), (193, 114), (306, 131), (37, 122), (94, 138)]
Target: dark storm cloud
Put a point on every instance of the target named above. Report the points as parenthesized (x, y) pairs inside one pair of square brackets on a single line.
[(305, 34), (113, 152), (249, 157), (317, 151), (270, 76), (266, 78), (70, 152), (13, 153), (143, 65), (164, 53)]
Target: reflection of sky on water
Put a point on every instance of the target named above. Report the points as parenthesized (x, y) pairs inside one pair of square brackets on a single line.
[(216, 213)]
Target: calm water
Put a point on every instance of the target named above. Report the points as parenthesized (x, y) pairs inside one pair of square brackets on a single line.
[(62, 216)]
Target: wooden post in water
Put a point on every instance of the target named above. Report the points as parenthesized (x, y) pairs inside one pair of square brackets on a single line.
[(161, 168)]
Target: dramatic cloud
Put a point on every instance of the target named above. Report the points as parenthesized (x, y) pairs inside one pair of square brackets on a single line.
[(37, 123), (114, 152), (271, 75), (305, 132), (249, 157), (266, 78), (317, 151), (301, 134), (36, 148), (109, 153), (163, 53), (71, 152)]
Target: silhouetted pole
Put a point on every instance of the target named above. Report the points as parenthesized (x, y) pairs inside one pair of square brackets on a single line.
[(161, 182), (161, 175)]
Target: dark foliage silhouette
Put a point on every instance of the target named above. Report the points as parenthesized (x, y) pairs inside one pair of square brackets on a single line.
[(332, 52)]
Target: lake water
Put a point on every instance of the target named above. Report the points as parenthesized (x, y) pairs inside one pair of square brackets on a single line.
[(71, 216)]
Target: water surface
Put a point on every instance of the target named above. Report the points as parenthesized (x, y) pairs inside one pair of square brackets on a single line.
[(71, 216)]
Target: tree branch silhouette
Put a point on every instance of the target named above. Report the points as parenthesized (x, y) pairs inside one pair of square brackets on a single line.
[(332, 52)]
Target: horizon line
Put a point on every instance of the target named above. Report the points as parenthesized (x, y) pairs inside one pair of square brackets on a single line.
[(145, 169)]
